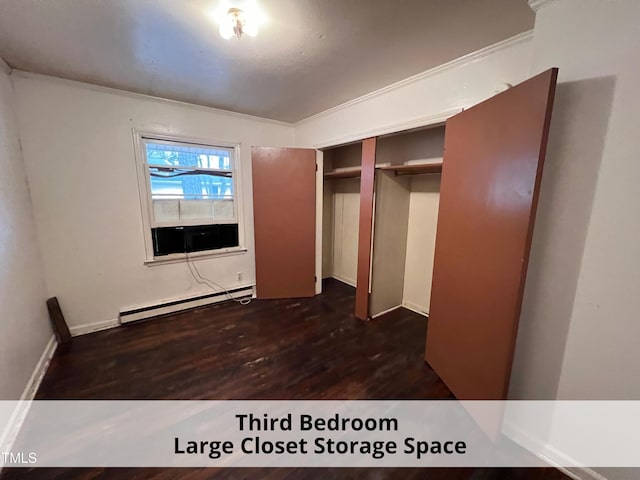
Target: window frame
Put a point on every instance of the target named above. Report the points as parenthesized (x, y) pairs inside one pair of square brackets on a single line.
[(146, 201)]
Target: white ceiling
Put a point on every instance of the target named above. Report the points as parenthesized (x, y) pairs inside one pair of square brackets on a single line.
[(311, 55)]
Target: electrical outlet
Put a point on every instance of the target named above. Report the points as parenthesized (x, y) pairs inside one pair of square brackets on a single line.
[(239, 276)]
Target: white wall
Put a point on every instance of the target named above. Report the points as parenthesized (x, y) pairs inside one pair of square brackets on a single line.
[(424, 199), (24, 323), (423, 99), (602, 358), (390, 226), (344, 241), (79, 156), (580, 328)]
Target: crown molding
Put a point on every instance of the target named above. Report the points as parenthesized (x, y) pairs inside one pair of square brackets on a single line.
[(536, 5), (143, 96), (4, 66), (458, 62)]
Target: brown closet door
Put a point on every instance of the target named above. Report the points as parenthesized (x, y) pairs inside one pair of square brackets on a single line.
[(493, 160), (284, 216), (365, 227)]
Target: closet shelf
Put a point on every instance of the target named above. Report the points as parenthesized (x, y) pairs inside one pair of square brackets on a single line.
[(415, 169), (347, 173)]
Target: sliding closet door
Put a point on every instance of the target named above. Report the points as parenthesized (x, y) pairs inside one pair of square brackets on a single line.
[(284, 214), (493, 160)]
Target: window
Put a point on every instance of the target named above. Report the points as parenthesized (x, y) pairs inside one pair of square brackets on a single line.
[(191, 196)]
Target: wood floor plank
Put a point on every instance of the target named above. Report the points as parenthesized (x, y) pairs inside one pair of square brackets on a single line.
[(270, 349)]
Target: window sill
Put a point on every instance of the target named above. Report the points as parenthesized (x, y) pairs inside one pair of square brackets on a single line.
[(181, 257)]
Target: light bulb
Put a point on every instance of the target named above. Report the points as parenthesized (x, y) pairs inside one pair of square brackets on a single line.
[(250, 28), (236, 17), (226, 30)]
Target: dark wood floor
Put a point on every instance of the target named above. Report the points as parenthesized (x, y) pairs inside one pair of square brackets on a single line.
[(271, 349)]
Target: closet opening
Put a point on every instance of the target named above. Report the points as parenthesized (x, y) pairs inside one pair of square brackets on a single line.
[(341, 205), (407, 193)]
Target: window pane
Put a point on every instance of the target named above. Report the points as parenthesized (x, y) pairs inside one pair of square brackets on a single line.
[(182, 191), (223, 209), (166, 211), (190, 187), (196, 209), (176, 211), (187, 156)]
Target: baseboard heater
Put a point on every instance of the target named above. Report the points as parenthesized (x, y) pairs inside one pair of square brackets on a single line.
[(143, 313)]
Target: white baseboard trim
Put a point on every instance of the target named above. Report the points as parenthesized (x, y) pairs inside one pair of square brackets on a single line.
[(536, 446), (31, 389), (408, 305), (93, 327), (414, 307), (384, 312), (342, 279), (177, 305), (41, 368), (14, 425)]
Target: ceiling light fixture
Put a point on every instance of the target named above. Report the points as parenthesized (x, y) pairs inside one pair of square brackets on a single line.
[(239, 17)]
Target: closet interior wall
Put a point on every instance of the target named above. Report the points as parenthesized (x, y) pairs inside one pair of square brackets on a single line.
[(406, 212), (341, 204)]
